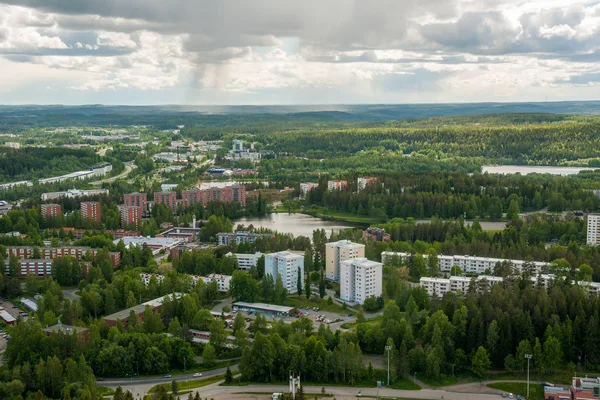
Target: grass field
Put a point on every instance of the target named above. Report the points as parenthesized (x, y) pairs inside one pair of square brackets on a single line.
[(536, 391), (187, 385)]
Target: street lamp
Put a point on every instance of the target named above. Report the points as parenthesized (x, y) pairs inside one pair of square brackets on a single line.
[(388, 348), (415, 376), (528, 357)]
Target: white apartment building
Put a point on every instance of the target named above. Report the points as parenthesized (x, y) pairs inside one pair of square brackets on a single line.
[(307, 187), (286, 265), (593, 229), (467, 264), (363, 182), (336, 185), (336, 252), (440, 286), (360, 279), (223, 281), (146, 278), (246, 261)]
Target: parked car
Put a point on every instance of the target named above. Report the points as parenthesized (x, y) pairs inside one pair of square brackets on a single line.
[(197, 375), (510, 396)]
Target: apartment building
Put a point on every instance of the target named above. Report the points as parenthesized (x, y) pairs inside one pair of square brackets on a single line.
[(227, 194), (4, 207), (336, 185), (365, 182), (376, 235), (130, 216), (440, 286), (167, 198), (593, 229), (228, 238), (336, 252), (223, 281), (360, 279), (305, 188), (73, 193), (246, 261), (467, 264), (78, 252), (91, 210), (36, 267), (286, 265), (138, 200), (51, 211)]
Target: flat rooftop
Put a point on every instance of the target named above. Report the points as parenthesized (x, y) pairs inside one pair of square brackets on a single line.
[(123, 314), (65, 329), (264, 307), (149, 241)]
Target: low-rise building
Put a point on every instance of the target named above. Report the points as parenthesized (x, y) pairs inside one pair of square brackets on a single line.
[(585, 388), (74, 193), (155, 243), (68, 330), (123, 315), (360, 279), (222, 281), (4, 208), (227, 194), (289, 266), (78, 252), (557, 393), (184, 233), (227, 238), (376, 235), (467, 264), (35, 267), (7, 318), (262, 308)]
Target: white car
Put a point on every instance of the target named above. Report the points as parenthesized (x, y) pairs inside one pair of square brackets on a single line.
[(197, 375), (510, 396)]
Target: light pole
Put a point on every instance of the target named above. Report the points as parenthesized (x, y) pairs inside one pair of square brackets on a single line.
[(453, 370), (528, 357), (388, 348), (415, 376), (138, 368)]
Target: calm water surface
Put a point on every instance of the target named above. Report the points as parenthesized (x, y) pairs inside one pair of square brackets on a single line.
[(296, 224), (531, 169)]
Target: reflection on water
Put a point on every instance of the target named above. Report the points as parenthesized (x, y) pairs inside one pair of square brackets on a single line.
[(296, 224), (531, 169)]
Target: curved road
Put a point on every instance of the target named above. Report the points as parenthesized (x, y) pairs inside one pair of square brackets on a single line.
[(129, 166), (142, 385)]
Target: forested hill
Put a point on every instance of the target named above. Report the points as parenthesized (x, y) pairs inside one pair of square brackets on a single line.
[(171, 116), (35, 163)]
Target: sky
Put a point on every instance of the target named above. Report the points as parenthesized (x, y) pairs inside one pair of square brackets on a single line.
[(297, 52)]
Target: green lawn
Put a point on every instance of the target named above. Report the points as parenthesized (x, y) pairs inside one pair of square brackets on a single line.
[(193, 384), (536, 391), (105, 391)]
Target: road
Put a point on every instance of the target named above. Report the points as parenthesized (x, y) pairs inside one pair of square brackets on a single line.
[(142, 385), (71, 294), (129, 166)]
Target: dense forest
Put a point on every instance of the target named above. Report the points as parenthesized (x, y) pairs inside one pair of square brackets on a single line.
[(453, 195), (34, 163)]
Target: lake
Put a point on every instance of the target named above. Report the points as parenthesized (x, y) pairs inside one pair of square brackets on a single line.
[(301, 224), (532, 169), (295, 223)]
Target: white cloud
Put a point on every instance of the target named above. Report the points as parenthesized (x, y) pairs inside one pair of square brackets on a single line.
[(116, 39)]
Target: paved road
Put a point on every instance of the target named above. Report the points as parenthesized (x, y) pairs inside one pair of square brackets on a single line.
[(142, 385), (236, 392), (129, 166), (70, 294)]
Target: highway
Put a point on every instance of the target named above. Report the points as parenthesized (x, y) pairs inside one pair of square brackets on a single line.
[(142, 385), (129, 166)]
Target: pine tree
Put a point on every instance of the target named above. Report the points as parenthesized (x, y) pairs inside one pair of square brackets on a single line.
[(307, 287), (299, 283)]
